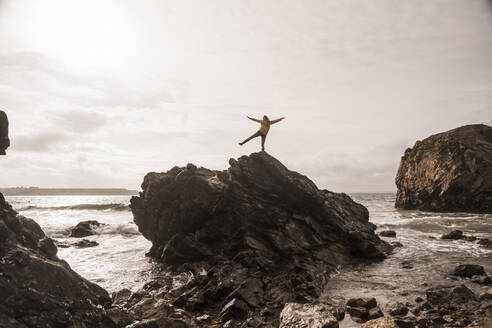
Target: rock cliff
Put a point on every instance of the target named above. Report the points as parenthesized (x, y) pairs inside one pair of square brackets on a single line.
[(37, 288), (256, 236), (4, 132), (448, 172)]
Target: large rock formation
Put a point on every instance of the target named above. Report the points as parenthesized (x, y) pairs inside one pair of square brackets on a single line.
[(37, 289), (4, 132), (257, 236), (448, 172)]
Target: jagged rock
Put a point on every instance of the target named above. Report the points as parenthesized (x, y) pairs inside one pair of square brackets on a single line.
[(455, 234), (85, 243), (84, 229), (308, 315), (397, 309), (368, 302), (482, 280), (4, 132), (448, 172), (469, 270), (380, 323), (37, 288), (235, 309), (457, 295), (264, 234), (485, 243), (388, 233)]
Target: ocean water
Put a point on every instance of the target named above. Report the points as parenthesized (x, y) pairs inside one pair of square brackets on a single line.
[(119, 260)]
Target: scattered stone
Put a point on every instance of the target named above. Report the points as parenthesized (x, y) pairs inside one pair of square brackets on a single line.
[(85, 243), (406, 322), (48, 247), (84, 229), (388, 233), (457, 295), (380, 323), (396, 309), (367, 303), (455, 234), (469, 270), (485, 243), (406, 265), (121, 296), (396, 244), (470, 238), (419, 299), (296, 315)]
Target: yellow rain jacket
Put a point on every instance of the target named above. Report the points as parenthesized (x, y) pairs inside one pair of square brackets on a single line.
[(265, 125)]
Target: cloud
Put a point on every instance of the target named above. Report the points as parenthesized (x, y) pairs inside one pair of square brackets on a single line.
[(39, 142)]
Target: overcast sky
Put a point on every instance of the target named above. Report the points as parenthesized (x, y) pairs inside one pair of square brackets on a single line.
[(101, 92)]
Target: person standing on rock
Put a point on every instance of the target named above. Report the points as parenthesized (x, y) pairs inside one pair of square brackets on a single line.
[(263, 131)]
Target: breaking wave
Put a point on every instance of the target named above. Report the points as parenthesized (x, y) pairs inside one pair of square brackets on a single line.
[(80, 207)]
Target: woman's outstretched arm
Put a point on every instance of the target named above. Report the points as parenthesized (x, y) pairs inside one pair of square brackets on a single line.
[(254, 119), (277, 120)]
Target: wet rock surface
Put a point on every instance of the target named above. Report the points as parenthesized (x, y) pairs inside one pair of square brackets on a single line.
[(37, 288), (4, 132), (257, 235), (84, 229), (448, 172)]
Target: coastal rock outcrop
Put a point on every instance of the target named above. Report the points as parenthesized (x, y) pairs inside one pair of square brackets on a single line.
[(4, 132), (256, 234), (448, 172), (37, 288)]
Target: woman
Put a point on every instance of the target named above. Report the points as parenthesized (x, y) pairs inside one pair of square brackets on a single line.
[(263, 131)]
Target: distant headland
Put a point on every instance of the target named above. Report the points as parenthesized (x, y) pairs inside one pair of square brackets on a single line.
[(35, 191)]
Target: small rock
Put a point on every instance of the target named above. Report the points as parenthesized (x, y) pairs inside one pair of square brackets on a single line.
[(358, 312), (419, 299), (84, 228), (397, 309), (230, 324), (367, 303), (406, 265), (407, 322), (470, 238), (455, 234), (396, 244), (485, 243), (296, 315), (380, 323), (388, 233), (85, 243), (469, 270)]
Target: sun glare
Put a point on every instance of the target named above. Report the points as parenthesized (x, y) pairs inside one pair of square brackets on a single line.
[(89, 34)]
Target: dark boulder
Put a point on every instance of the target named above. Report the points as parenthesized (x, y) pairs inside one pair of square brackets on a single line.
[(388, 233), (469, 270), (85, 243), (485, 243), (454, 234), (84, 229), (37, 288), (396, 309), (448, 172), (4, 132), (264, 234)]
